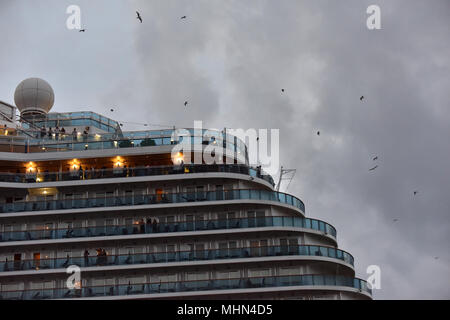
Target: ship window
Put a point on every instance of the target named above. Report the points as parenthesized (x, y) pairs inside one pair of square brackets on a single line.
[(161, 278), (197, 276), (259, 272), (289, 271)]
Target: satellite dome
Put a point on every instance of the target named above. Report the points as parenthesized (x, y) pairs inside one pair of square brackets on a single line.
[(34, 96)]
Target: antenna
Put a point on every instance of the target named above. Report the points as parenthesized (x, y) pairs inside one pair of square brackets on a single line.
[(286, 174)]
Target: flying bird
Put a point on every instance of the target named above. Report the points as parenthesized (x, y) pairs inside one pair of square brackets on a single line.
[(282, 90), (415, 192), (373, 168), (183, 17), (376, 158), (185, 103), (318, 133), (361, 99), (436, 258), (82, 30), (138, 16), (112, 110), (395, 220)]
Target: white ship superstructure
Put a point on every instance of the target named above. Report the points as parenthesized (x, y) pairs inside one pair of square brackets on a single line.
[(141, 227)]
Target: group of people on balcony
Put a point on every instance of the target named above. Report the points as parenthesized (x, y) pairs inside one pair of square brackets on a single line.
[(53, 134), (60, 134), (102, 257)]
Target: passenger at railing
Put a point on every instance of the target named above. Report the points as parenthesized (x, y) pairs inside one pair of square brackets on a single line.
[(101, 257), (155, 225), (18, 176), (85, 135), (43, 132), (66, 263), (6, 267), (57, 133), (86, 258), (74, 134), (80, 173), (129, 288), (50, 133), (63, 133), (69, 232), (92, 173), (149, 225), (142, 226), (30, 177)]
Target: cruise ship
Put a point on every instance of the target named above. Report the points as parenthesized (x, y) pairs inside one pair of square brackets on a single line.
[(91, 211)]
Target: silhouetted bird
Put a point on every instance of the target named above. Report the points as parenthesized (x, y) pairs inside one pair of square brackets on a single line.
[(183, 17), (373, 168), (138, 16), (395, 220), (376, 158), (318, 133), (282, 90), (361, 99), (185, 103), (415, 192), (112, 110), (82, 30)]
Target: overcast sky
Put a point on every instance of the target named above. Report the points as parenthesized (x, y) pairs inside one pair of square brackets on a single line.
[(230, 59)]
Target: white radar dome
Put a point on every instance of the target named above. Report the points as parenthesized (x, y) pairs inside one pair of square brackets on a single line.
[(34, 96)]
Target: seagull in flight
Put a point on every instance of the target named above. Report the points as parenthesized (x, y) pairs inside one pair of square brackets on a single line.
[(318, 133), (112, 110), (138, 16), (361, 99), (376, 158), (183, 17), (185, 103), (282, 90), (82, 30), (371, 169), (416, 192)]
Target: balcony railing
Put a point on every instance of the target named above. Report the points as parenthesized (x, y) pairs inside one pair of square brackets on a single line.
[(130, 139), (237, 223), (186, 286), (178, 256), (165, 198), (132, 172)]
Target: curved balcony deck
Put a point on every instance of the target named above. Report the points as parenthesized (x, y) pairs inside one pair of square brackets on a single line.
[(237, 223), (132, 172), (179, 256), (323, 282), (167, 198)]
